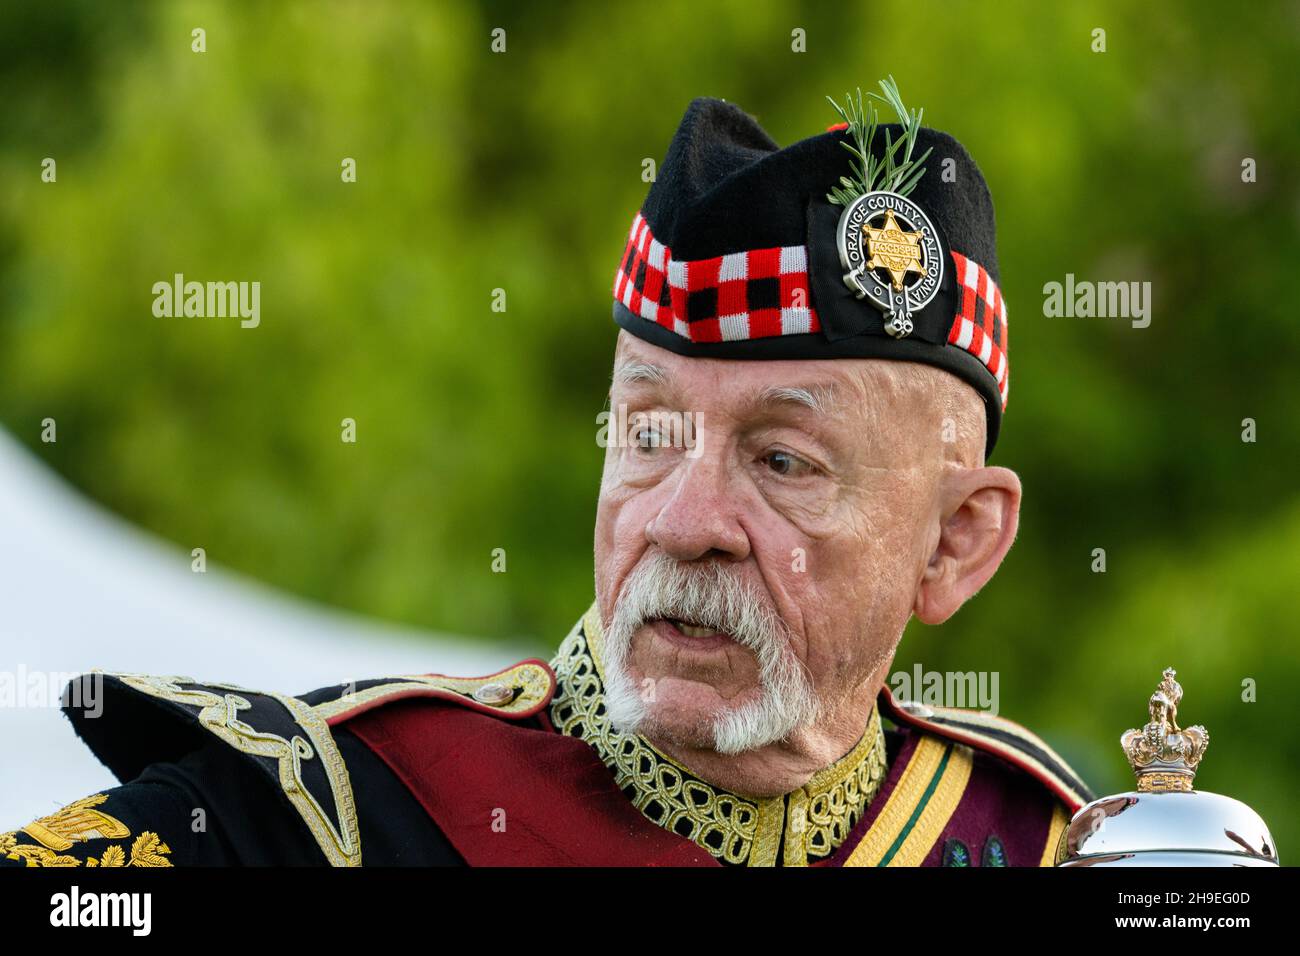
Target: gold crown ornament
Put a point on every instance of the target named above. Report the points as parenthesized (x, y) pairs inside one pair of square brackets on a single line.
[(1165, 822), (1163, 757)]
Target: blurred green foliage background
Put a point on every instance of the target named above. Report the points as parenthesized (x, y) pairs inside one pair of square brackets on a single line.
[(522, 170)]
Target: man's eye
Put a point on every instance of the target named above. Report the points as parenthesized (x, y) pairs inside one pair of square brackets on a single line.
[(646, 437), (784, 463)]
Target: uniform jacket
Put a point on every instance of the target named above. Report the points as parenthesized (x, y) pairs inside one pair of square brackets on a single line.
[(520, 768)]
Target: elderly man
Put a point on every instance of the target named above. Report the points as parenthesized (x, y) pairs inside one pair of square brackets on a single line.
[(827, 321)]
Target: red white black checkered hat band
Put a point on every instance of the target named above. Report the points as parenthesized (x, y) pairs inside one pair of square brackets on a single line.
[(760, 293)]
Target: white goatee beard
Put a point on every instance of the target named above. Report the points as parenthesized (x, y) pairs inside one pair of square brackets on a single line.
[(710, 595)]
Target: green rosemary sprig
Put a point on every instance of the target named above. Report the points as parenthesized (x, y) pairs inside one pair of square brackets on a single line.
[(890, 172)]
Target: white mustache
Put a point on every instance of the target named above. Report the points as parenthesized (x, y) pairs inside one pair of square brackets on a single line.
[(705, 594)]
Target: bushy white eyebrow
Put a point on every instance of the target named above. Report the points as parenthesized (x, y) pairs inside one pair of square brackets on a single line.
[(634, 372), (818, 398)]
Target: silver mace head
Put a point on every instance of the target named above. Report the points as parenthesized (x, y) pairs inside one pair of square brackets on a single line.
[(1164, 822)]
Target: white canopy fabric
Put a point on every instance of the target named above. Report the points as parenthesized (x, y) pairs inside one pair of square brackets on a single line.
[(81, 589)]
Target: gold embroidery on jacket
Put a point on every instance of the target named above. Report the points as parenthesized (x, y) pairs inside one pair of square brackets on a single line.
[(219, 713), (76, 823)]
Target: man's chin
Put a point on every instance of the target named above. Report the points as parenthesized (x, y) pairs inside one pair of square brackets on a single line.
[(674, 732), (684, 714)]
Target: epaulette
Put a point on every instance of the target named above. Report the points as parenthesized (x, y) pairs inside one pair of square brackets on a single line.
[(995, 735), (515, 693), (132, 720)]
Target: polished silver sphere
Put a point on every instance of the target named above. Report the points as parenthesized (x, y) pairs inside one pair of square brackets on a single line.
[(1190, 828)]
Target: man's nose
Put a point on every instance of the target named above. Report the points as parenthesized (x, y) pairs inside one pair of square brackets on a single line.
[(701, 517)]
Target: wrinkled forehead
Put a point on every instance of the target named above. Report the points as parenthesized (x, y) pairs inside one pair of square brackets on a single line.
[(841, 389)]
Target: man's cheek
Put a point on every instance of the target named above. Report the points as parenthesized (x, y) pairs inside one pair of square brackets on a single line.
[(611, 550), (630, 511), (620, 545)]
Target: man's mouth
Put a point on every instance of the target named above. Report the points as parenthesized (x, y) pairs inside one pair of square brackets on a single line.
[(689, 633), (693, 630)]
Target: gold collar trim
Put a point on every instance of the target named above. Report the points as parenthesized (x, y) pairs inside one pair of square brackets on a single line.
[(795, 829)]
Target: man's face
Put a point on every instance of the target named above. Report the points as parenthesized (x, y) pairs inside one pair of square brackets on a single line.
[(797, 529)]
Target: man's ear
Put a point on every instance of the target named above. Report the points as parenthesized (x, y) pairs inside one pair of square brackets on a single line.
[(979, 509)]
